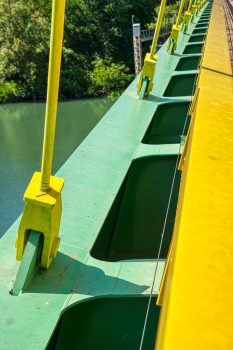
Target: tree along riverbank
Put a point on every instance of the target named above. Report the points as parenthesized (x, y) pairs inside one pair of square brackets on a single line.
[(97, 55)]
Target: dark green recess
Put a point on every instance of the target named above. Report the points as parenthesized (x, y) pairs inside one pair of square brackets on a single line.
[(180, 85), (107, 324), (205, 15), (208, 9), (196, 38), (204, 18), (188, 63), (202, 23), (200, 31), (101, 247), (190, 49), (139, 223), (168, 123)]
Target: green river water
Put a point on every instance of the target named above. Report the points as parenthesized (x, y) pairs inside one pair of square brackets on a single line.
[(21, 142)]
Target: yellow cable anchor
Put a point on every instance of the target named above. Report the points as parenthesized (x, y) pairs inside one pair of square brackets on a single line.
[(186, 18), (175, 30), (145, 82), (43, 206)]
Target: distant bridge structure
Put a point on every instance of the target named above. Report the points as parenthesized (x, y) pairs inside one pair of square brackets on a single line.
[(148, 34), (140, 36)]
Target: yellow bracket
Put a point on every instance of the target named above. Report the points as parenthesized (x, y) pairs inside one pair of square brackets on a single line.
[(193, 11), (198, 6), (186, 20), (187, 17), (42, 212), (174, 36), (175, 30), (147, 71)]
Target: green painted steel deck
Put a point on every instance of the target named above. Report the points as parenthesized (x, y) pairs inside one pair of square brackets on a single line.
[(117, 184)]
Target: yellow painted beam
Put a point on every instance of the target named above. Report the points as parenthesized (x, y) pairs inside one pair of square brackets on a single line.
[(197, 299)]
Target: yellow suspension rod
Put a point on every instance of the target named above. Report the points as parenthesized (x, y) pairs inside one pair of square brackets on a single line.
[(58, 13), (180, 13), (42, 212), (195, 3), (158, 26), (190, 4)]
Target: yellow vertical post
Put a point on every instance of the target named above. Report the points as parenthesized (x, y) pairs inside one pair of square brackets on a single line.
[(58, 13), (148, 70), (43, 206), (175, 30)]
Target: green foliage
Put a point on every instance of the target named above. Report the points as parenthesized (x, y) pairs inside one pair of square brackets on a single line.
[(8, 91), (24, 38), (104, 26), (97, 39), (103, 29), (108, 78), (74, 80)]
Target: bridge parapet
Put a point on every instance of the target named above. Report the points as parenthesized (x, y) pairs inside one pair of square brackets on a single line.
[(228, 12)]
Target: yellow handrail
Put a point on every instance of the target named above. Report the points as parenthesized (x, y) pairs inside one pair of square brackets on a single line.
[(52, 91)]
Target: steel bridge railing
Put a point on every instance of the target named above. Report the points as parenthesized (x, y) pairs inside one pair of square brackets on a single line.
[(148, 34)]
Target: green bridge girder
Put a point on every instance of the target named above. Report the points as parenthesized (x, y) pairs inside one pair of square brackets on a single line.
[(116, 190)]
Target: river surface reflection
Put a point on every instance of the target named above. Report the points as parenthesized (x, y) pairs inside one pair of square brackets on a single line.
[(21, 141)]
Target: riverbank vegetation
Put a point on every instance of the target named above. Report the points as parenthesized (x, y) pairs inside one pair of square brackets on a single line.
[(97, 55)]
